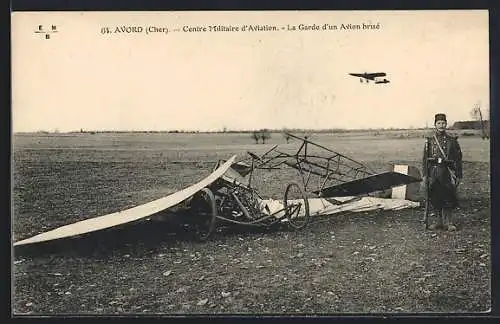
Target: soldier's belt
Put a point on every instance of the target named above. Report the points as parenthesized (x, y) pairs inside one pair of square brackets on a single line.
[(440, 161)]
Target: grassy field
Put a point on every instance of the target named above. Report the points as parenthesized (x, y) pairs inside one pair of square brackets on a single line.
[(363, 262)]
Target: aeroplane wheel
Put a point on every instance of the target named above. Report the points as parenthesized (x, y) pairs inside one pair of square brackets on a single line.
[(205, 209), (296, 206)]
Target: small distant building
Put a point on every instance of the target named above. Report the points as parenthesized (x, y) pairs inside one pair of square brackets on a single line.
[(472, 124)]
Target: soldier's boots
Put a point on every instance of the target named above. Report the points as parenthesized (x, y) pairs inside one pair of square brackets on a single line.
[(436, 226), (448, 220), (451, 228), (439, 225), (444, 221)]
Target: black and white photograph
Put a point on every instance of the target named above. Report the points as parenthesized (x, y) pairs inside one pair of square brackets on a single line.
[(250, 163)]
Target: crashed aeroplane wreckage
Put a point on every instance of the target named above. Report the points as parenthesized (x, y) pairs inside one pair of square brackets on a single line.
[(227, 194)]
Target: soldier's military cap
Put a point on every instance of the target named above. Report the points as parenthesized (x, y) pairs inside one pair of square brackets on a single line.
[(439, 117)]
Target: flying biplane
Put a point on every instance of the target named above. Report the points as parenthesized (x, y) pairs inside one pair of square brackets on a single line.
[(376, 77), (228, 194)]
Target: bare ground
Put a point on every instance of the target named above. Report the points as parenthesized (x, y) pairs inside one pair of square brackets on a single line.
[(379, 262)]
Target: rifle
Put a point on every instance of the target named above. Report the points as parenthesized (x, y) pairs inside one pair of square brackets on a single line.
[(426, 183)]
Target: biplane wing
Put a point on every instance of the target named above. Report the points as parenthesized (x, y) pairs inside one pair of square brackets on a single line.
[(128, 215), (377, 182)]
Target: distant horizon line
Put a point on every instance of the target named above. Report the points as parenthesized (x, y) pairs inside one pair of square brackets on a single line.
[(270, 130), (229, 130)]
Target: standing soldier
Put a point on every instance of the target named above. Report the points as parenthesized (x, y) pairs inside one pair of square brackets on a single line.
[(443, 161)]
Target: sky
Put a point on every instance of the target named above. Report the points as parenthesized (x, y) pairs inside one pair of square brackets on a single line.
[(82, 78)]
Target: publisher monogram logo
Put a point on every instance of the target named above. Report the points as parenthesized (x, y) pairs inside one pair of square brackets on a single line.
[(46, 30)]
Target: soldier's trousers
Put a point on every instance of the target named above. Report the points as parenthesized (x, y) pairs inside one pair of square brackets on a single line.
[(445, 216)]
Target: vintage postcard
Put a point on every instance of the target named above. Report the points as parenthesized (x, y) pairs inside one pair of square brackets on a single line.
[(258, 162)]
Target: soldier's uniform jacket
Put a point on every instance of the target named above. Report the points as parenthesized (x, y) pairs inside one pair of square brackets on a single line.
[(442, 189), (451, 148)]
